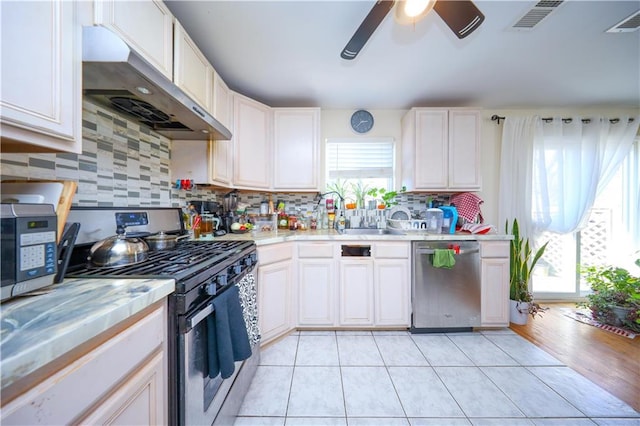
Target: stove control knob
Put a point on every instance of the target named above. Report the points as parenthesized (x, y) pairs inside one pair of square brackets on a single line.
[(254, 257), (211, 289), (248, 261), (237, 268), (222, 279)]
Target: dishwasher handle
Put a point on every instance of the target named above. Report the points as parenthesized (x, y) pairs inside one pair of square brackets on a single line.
[(457, 252)]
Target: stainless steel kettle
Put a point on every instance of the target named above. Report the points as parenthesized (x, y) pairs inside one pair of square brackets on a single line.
[(118, 250)]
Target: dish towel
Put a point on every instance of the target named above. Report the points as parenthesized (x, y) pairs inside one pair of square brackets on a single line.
[(468, 206), (443, 258), (227, 334)]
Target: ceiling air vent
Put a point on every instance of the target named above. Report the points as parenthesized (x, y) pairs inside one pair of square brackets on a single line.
[(627, 25), (533, 17)]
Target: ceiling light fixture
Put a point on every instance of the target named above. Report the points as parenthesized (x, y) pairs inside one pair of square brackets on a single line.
[(411, 11)]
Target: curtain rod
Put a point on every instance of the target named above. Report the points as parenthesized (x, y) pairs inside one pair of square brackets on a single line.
[(564, 120)]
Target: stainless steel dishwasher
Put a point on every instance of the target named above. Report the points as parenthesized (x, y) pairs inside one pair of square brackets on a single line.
[(445, 300)]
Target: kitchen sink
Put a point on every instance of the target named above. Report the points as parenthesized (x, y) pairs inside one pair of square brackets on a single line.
[(371, 231)]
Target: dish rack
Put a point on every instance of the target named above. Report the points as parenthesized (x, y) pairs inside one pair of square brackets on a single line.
[(413, 225)]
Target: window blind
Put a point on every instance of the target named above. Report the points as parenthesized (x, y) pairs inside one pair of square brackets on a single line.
[(360, 159)]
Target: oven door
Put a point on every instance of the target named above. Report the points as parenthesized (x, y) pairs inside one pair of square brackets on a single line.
[(202, 398)]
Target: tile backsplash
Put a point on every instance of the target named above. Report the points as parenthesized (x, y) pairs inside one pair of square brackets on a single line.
[(124, 163)]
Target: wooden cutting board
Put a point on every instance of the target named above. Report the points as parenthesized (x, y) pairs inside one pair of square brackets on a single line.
[(59, 193)]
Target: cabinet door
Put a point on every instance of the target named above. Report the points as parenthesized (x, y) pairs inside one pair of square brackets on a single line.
[(190, 160), (251, 144), (356, 292), (222, 150), (391, 292), (41, 79), (296, 148), (316, 290), (464, 149), (191, 70), (274, 299), (146, 26), (431, 149), (495, 292), (138, 401)]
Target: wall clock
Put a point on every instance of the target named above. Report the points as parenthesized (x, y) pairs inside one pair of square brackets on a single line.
[(361, 121)]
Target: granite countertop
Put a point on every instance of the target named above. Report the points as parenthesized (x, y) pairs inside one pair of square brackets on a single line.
[(36, 330), (279, 236)]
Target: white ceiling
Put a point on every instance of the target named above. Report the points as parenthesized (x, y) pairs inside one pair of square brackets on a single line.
[(287, 53)]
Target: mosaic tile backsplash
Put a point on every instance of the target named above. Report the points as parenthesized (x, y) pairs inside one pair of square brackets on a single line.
[(124, 163)]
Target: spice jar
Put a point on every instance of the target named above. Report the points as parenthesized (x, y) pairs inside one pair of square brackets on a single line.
[(293, 222)]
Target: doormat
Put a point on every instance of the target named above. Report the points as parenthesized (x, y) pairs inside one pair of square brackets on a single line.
[(585, 317)]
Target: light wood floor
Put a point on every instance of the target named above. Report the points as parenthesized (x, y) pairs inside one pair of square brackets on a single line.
[(609, 360)]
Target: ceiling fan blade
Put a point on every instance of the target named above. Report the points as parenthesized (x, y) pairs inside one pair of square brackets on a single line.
[(366, 28), (462, 16)]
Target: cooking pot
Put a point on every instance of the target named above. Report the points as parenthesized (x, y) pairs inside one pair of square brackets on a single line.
[(118, 250), (163, 241)]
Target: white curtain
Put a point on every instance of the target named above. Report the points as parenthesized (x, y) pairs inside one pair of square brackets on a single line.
[(551, 171), (516, 170)]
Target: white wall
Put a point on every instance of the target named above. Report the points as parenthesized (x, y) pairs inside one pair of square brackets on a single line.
[(336, 124)]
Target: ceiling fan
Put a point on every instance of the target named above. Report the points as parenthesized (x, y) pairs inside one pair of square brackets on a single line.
[(462, 16)]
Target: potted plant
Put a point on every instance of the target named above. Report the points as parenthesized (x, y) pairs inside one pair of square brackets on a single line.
[(388, 197), (360, 190), (521, 266), (616, 296)]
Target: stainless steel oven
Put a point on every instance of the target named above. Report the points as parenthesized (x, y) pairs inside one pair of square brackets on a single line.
[(204, 272)]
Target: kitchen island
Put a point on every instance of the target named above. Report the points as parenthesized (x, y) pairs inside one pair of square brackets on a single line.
[(80, 349)]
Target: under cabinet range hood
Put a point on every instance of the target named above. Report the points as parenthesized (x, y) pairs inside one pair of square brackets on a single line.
[(117, 77)]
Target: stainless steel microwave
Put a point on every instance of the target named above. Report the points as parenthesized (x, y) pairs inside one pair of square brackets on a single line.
[(28, 247)]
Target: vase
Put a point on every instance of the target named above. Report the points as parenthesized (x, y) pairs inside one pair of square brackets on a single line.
[(519, 312), (620, 314)]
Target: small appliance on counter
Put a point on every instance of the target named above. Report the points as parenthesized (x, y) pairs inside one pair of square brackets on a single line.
[(434, 220), (449, 219), (29, 247)]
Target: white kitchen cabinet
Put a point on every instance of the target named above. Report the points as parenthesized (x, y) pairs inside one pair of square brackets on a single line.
[(494, 299), (191, 70), (441, 149), (146, 26), (251, 143), (122, 381), (392, 284), (356, 291), (316, 285), (296, 149), (275, 290), (221, 170), (41, 79)]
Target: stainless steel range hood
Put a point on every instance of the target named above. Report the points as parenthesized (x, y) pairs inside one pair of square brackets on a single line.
[(115, 76)]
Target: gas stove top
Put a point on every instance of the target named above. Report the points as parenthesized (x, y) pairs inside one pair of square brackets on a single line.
[(190, 263)]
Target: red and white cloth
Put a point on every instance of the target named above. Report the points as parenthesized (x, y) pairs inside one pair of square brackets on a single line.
[(468, 206)]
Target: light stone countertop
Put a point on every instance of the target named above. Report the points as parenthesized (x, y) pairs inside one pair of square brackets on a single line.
[(280, 236), (38, 329)]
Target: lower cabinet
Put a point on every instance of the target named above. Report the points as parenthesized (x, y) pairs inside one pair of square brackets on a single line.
[(356, 291), (121, 381), (494, 294), (317, 292), (275, 296), (391, 287)]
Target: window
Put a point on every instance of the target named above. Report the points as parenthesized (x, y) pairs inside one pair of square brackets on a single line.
[(611, 237), (368, 163)]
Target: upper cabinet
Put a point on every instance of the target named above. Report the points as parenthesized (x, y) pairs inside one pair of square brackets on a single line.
[(221, 165), (146, 26), (296, 147), (441, 149), (191, 70), (251, 143), (41, 96)]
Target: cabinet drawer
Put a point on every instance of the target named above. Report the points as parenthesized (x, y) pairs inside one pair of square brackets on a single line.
[(494, 249), (391, 251), (274, 253), (316, 250)]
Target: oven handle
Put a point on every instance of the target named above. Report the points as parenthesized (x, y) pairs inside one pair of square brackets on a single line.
[(200, 316)]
